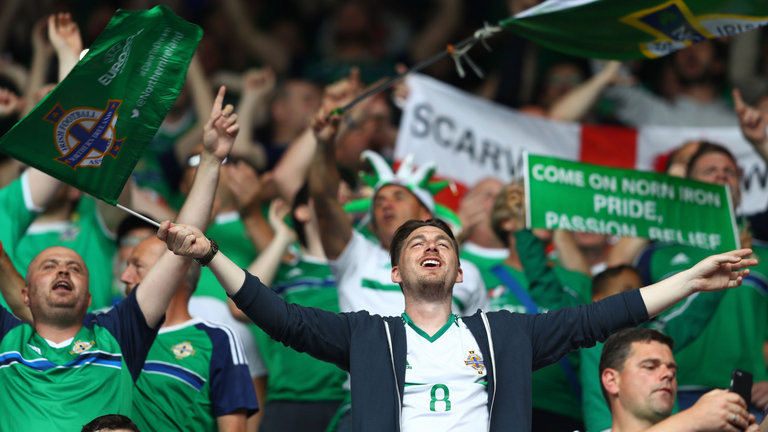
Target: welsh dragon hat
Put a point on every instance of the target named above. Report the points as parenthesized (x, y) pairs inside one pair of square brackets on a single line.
[(415, 179)]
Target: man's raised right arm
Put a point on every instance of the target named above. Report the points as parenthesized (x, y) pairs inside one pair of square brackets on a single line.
[(322, 334), (324, 178)]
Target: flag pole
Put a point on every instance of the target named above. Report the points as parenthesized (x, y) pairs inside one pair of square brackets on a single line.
[(138, 215), (457, 51)]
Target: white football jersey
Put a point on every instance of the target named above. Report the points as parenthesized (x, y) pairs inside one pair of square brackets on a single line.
[(445, 380)]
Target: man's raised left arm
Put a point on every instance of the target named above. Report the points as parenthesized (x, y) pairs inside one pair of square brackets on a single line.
[(218, 136)]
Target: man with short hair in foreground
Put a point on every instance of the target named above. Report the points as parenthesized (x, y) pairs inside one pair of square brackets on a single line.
[(429, 369), (639, 381)]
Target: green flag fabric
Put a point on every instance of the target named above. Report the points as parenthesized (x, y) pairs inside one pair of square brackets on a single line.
[(91, 129), (633, 29)]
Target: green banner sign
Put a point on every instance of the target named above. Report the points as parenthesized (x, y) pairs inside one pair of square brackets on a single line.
[(574, 196), (92, 128)]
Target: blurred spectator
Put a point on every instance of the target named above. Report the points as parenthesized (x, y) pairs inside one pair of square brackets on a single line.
[(732, 339), (295, 101), (517, 285), (298, 383), (479, 244), (166, 398), (693, 91)]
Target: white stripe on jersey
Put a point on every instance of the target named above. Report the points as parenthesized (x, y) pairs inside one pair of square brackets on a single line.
[(235, 345)]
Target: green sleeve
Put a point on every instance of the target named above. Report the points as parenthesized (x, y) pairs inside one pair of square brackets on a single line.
[(15, 217), (544, 286), (686, 320), (597, 416)]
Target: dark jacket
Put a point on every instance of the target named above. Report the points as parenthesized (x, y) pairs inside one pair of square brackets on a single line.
[(358, 342)]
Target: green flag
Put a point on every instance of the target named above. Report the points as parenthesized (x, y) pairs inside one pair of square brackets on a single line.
[(631, 29), (92, 128), (575, 196)]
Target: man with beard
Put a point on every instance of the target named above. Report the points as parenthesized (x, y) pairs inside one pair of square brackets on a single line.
[(360, 263), (429, 369)]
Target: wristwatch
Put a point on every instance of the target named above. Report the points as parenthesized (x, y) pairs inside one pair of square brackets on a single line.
[(206, 259)]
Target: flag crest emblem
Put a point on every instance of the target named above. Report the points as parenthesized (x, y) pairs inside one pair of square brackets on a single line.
[(475, 362), (84, 135), (81, 346), (182, 350)]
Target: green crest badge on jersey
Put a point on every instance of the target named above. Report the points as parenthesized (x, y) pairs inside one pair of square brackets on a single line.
[(84, 135), (475, 362), (70, 233), (81, 346), (182, 350)]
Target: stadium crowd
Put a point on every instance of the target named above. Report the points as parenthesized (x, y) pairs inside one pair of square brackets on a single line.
[(99, 318)]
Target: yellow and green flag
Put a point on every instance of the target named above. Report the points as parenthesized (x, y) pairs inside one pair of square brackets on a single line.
[(632, 29), (92, 128)]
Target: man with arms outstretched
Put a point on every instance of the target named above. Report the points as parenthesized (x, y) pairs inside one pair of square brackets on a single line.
[(429, 369)]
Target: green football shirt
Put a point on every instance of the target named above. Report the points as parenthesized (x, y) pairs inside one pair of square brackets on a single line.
[(295, 376), (62, 387), (553, 387), (194, 373)]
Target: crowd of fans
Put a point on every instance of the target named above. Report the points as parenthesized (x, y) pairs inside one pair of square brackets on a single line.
[(278, 207)]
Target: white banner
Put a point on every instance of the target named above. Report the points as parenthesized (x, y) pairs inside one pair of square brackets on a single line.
[(471, 138)]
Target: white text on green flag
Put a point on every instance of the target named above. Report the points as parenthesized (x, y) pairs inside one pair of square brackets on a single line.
[(574, 196), (92, 128)]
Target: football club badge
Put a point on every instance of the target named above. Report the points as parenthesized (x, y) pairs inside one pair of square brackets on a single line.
[(81, 346), (475, 362), (182, 350), (85, 135)]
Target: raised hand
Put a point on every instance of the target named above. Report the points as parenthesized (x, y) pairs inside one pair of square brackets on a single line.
[(257, 83), (752, 121), (9, 103), (40, 38), (726, 270), (183, 240), (325, 128), (342, 92), (278, 210), (516, 203), (64, 34), (221, 128)]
